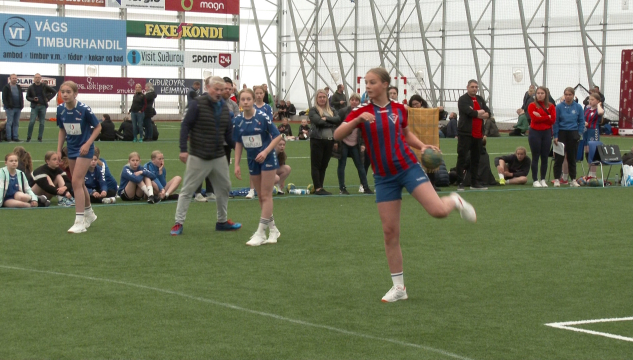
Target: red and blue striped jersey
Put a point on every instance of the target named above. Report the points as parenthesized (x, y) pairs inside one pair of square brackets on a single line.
[(384, 139), (592, 117)]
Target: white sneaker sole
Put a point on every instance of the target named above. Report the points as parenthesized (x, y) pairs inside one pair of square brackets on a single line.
[(256, 241), (76, 231)]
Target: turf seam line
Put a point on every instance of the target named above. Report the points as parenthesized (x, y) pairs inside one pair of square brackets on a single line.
[(239, 308), (569, 326)]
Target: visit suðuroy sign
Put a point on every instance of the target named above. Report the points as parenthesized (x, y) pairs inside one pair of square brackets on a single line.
[(230, 7), (163, 30)]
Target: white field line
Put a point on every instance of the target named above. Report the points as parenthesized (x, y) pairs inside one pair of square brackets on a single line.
[(239, 308), (569, 325)]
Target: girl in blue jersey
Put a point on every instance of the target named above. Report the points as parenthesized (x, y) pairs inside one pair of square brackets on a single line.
[(254, 131), (593, 115), (97, 185), (160, 185), (110, 180), (14, 187), (259, 102), (79, 127), (136, 181), (383, 125)]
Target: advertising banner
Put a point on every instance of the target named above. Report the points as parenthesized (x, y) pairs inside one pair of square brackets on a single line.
[(172, 86), (626, 94), (189, 31), (137, 4), (99, 3), (155, 58), (211, 60), (106, 85), (26, 80), (51, 39), (229, 7)]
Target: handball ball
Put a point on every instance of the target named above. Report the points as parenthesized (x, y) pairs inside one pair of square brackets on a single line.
[(275, 190), (290, 186), (594, 183), (431, 160), (311, 189), (581, 181)]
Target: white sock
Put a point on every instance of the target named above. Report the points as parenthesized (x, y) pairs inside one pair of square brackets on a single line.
[(565, 177), (262, 227), (79, 217), (148, 191), (398, 279), (592, 174), (88, 209), (501, 177), (166, 194), (59, 198), (271, 223)]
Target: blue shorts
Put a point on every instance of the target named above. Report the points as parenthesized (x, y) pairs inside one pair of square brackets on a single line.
[(389, 188), (271, 163), (73, 153), (591, 135)]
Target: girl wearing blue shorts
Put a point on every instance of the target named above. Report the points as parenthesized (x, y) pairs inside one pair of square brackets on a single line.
[(383, 124), (79, 127), (254, 131)]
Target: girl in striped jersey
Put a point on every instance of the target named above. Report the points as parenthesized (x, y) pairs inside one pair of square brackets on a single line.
[(383, 124), (593, 115)]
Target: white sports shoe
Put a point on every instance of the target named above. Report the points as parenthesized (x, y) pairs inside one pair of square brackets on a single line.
[(397, 292), (273, 235), (251, 194), (361, 189), (543, 183), (257, 239), (211, 197), (200, 198), (466, 211), (89, 218), (78, 227), (574, 184), (556, 183), (536, 184)]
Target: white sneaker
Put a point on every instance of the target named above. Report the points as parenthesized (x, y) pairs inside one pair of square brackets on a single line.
[(200, 198), (536, 184), (251, 194), (78, 227), (89, 218), (574, 184), (361, 189), (211, 197), (257, 239), (112, 200), (466, 211), (543, 183), (556, 183), (397, 292), (273, 235), (106, 201)]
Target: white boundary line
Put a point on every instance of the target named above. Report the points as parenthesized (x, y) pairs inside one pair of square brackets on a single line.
[(569, 326), (239, 308)]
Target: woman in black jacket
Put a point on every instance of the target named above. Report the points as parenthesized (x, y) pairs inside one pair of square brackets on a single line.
[(108, 132), (323, 122), (150, 111), (137, 112)]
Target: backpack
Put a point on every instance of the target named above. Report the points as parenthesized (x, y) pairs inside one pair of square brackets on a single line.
[(490, 128), (441, 176)]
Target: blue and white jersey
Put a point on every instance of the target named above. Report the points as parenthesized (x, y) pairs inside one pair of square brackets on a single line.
[(110, 180), (95, 180), (266, 109), (78, 123), (255, 134)]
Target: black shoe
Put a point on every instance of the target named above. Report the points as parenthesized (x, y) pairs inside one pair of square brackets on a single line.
[(478, 187), (344, 191), (16, 140), (172, 197), (460, 187), (156, 199), (28, 139), (39, 140), (151, 199), (368, 191), (322, 192)]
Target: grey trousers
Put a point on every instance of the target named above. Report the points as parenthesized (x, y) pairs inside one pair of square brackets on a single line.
[(197, 169)]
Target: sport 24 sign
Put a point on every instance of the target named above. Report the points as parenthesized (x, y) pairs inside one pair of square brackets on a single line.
[(211, 60), (229, 7)]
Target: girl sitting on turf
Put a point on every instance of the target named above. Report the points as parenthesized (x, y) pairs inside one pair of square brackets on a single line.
[(15, 191), (136, 181), (382, 119), (50, 180), (25, 163), (105, 170), (96, 184), (284, 170), (254, 131), (160, 185)]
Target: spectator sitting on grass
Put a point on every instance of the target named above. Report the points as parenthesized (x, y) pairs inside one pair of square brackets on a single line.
[(126, 130), (522, 125), (284, 128), (108, 133), (304, 130), (514, 168)]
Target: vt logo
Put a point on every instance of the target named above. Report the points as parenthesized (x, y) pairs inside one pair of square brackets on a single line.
[(16, 31)]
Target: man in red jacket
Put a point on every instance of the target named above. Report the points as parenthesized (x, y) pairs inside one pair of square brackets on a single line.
[(470, 133)]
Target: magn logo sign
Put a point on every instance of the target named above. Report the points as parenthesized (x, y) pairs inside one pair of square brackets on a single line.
[(231, 7)]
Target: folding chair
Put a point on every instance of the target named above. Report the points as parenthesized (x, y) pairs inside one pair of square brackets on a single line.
[(579, 159), (596, 160)]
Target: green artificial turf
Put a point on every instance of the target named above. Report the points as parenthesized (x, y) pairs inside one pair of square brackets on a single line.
[(127, 289)]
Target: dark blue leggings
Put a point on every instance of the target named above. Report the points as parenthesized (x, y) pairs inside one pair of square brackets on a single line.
[(540, 144), (354, 152)]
